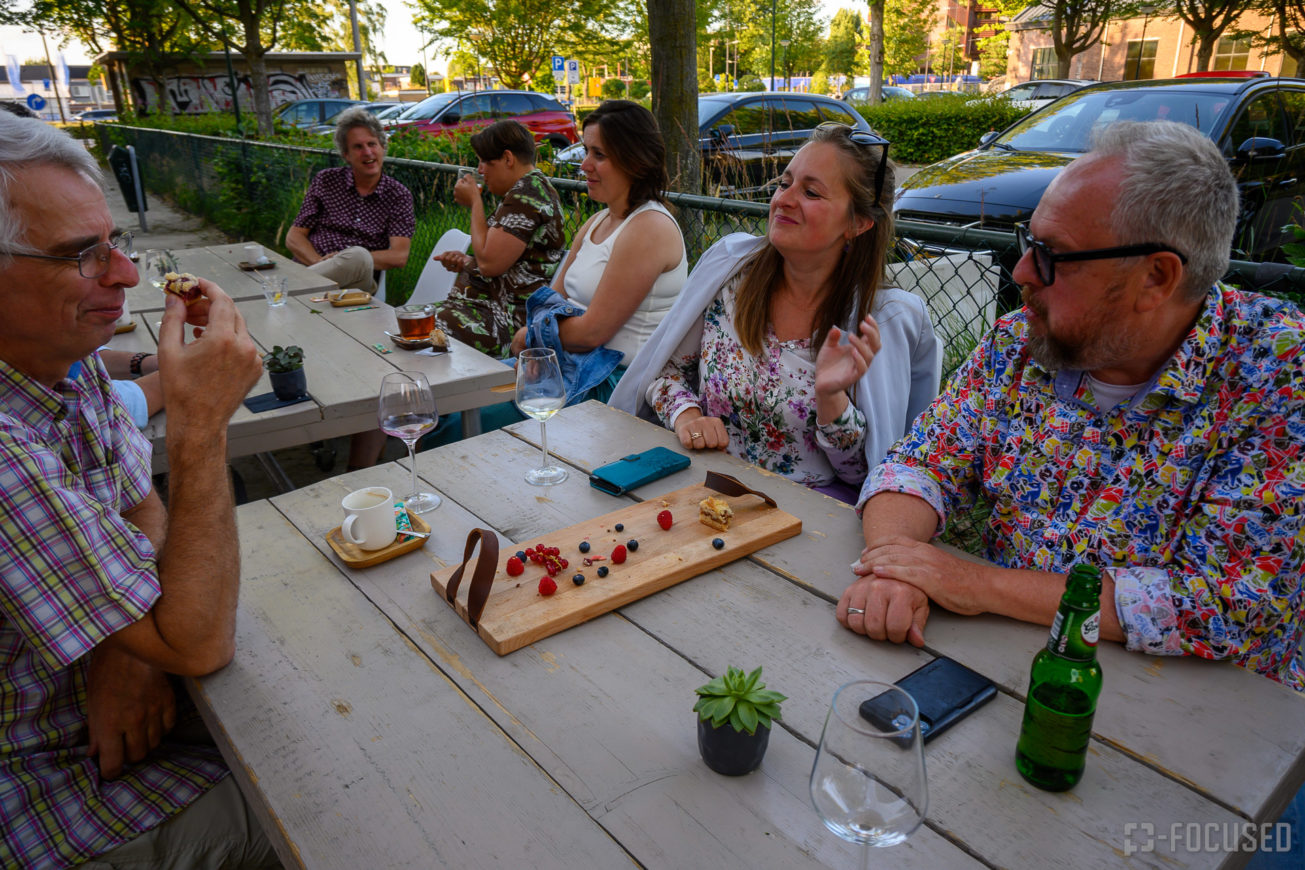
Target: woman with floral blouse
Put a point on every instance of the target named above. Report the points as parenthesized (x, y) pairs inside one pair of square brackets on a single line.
[(785, 350)]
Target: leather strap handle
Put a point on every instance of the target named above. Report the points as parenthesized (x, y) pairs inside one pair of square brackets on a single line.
[(727, 485), (481, 578)]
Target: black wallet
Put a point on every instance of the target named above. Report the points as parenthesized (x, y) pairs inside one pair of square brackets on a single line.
[(637, 469)]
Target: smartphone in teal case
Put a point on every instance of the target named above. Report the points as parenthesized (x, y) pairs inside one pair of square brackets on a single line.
[(635, 470)]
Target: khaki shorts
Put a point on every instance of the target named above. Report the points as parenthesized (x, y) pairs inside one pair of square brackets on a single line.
[(351, 268)]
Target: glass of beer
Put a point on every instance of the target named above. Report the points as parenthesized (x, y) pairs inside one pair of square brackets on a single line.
[(415, 321)]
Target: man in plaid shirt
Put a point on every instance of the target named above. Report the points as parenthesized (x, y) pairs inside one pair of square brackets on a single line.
[(88, 768)]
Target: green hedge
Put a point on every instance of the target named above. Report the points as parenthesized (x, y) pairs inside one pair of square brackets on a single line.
[(926, 131)]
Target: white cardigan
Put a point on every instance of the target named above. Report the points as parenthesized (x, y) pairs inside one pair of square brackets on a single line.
[(900, 383)]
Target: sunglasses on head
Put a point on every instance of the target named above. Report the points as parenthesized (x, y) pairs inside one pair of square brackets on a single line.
[(865, 139), (1045, 260)]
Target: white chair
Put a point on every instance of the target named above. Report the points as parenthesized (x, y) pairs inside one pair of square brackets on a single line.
[(379, 294), (436, 281)]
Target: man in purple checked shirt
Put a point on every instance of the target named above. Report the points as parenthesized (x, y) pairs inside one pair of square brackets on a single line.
[(355, 220), (104, 591)]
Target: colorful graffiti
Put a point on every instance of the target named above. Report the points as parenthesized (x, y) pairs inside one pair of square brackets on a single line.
[(190, 94)]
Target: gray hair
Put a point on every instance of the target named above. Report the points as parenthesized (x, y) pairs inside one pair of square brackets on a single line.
[(1177, 190), (26, 143), (357, 116)]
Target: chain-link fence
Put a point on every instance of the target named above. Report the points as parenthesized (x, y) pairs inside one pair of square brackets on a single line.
[(253, 190)]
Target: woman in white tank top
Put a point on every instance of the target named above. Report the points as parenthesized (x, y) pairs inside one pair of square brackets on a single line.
[(628, 262)]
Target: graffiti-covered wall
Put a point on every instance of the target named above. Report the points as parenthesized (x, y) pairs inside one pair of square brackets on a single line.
[(206, 87)]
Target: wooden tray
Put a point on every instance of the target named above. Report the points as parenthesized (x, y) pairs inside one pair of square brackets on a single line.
[(356, 557), (516, 615), (353, 297)]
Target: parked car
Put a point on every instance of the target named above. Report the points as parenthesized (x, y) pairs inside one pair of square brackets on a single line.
[(312, 113), (1258, 124), (393, 111), (470, 110), (890, 92), (384, 106), (97, 115), (748, 138), (1036, 94)]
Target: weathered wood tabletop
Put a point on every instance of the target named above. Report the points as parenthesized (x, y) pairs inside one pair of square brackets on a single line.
[(372, 727), (344, 370), (221, 265)]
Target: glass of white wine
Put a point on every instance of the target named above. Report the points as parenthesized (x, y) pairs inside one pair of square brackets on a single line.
[(868, 782), (406, 410), (541, 393)]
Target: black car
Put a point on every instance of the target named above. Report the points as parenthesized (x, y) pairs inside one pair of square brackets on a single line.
[(312, 113), (748, 138), (1259, 124)]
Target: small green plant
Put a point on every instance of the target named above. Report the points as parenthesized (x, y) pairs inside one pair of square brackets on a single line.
[(284, 359), (738, 698)]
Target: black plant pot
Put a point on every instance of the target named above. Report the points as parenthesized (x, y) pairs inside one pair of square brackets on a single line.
[(731, 752), (288, 385)]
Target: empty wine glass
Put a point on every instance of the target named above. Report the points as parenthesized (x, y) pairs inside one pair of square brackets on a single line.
[(541, 393), (157, 264), (406, 410), (868, 782)]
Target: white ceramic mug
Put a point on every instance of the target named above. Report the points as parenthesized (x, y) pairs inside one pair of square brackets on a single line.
[(369, 518), (253, 253)]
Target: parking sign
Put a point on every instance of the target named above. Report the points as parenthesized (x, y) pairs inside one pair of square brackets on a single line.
[(559, 68), (573, 72)]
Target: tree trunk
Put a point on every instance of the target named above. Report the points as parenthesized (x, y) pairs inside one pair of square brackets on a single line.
[(1205, 51), (672, 33), (876, 51), (1062, 64)]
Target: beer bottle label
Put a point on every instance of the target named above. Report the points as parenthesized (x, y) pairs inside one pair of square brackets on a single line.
[(1092, 629)]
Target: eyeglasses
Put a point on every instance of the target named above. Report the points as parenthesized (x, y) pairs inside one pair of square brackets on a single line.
[(1045, 260), (866, 140), (93, 262)]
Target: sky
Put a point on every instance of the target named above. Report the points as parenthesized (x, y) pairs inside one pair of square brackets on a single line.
[(402, 43)]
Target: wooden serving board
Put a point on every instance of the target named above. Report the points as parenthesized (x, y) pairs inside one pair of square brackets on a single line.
[(516, 615)]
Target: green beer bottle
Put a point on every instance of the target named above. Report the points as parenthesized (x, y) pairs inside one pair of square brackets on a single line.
[(1063, 687)]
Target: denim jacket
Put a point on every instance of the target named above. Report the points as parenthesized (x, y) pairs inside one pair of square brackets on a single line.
[(580, 371)]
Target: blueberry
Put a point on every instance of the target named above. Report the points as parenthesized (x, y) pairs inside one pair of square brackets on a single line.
[(632, 545), (602, 570), (578, 579), (620, 527), (718, 543), (521, 554), (584, 546)]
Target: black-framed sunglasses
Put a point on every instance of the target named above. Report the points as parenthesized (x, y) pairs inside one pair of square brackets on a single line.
[(866, 139), (1045, 260), (92, 262)]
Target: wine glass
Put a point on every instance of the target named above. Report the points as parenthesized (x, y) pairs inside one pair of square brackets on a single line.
[(406, 410), (541, 394), (157, 264), (868, 782)]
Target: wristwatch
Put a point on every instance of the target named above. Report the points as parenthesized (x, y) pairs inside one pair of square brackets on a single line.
[(136, 360)]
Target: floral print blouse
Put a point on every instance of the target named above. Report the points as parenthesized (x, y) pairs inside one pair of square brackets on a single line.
[(768, 405)]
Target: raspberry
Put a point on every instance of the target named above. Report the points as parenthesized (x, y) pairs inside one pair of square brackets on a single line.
[(632, 545), (547, 586), (515, 568), (618, 555), (578, 579), (602, 570), (664, 519)]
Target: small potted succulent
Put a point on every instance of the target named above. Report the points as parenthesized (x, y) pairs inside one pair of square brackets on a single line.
[(285, 369), (734, 714)]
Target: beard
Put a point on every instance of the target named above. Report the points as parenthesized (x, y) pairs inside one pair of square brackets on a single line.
[(1098, 341)]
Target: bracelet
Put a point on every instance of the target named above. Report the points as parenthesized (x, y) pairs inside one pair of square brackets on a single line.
[(136, 360)]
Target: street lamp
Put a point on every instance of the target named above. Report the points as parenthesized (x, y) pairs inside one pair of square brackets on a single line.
[(783, 61), (1146, 9)]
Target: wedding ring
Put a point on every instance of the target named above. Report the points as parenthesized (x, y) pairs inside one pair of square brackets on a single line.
[(693, 435), (852, 610)]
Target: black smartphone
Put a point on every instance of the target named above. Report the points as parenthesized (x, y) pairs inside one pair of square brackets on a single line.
[(945, 691)]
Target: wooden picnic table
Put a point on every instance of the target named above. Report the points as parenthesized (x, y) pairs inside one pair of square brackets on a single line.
[(344, 368), (220, 264), (370, 726)]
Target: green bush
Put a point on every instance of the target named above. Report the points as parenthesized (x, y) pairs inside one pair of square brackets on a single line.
[(926, 131), (613, 89), (639, 89)]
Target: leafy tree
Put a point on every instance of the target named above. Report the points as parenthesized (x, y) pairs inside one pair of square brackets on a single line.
[(992, 49), (417, 75), (329, 28), (1076, 26), (845, 37), (613, 89), (907, 25), (1289, 29), (795, 20), (1208, 20)]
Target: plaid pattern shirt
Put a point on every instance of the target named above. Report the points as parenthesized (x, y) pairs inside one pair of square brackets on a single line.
[(72, 572), (1190, 494)]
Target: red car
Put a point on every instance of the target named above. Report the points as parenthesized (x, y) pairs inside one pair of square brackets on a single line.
[(470, 110)]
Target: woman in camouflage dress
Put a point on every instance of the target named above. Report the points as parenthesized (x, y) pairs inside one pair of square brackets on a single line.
[(516, 250)]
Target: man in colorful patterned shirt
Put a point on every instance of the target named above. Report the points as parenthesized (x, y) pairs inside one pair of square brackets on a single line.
[(88, 769), (1135, 414), (355, 220)]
